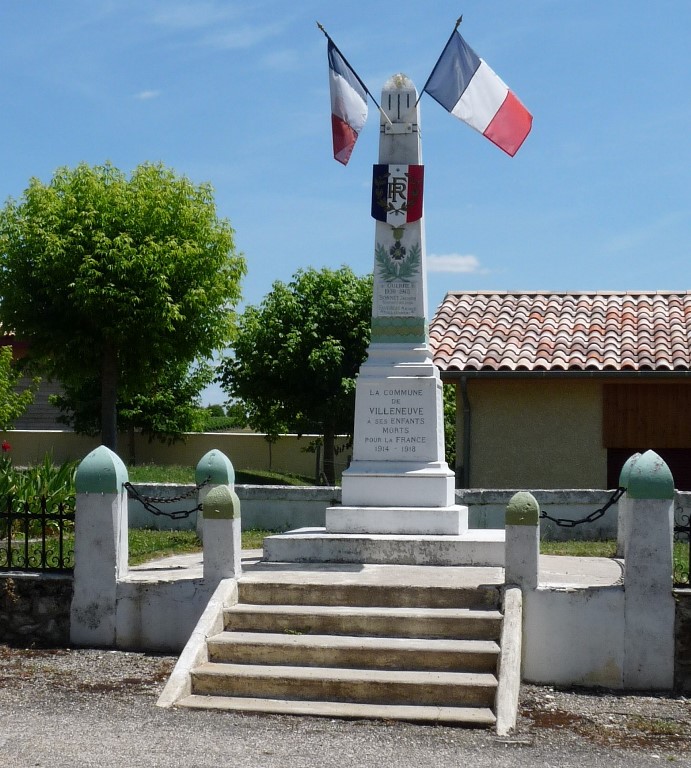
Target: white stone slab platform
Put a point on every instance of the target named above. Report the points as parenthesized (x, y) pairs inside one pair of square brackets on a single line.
[(316, 545), (437, 521)]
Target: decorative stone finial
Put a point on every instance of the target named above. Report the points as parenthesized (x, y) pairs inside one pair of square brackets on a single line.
[(625, 473), (221, 503), (650, 478), (399, 82), (101, 471), (215, 467), (523, 509)]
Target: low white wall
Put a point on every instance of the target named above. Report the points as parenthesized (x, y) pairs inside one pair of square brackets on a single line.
[(158, 616), (574, 637), (280, 508), (487, 507), (266, 507)]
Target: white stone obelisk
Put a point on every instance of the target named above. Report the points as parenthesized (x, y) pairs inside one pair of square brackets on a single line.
[(398, 481)]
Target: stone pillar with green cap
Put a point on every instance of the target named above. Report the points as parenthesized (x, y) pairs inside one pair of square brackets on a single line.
[(214, 468), (648, 567), (100, 547), (221, 516), (623, 504), (522, 555)]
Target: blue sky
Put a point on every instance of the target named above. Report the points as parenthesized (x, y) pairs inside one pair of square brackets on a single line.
[(236, 94)]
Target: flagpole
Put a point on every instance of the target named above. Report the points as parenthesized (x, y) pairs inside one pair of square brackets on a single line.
[(455, 29), (366, 89)]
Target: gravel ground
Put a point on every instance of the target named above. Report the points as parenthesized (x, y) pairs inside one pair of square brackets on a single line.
[(81, 708)]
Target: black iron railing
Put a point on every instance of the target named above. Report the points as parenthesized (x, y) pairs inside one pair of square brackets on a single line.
[(682, 543), (35, 536)]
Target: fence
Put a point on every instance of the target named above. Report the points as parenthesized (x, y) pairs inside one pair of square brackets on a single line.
[(34, 537), (682, 540)]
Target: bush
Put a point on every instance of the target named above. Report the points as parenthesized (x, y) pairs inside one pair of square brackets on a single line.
[(56, 483)]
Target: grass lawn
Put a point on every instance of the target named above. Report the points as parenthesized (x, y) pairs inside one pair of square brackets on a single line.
[(155, 473), (146, 544), (605, 548), (608, 548)]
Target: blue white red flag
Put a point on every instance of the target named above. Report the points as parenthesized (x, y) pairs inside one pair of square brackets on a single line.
[(464, 85), (397, 193), (348, 105)]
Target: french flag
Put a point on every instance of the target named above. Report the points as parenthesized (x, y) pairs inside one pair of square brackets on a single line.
[(348, 105), (464, 85)]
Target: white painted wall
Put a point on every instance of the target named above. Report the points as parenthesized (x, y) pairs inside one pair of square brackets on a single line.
[(574, 637), (158, 615)]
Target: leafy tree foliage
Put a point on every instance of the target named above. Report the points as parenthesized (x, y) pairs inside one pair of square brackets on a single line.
[(13, 403), (216, 411), (120, 281), (214, 418), (165, 409), (296, 356), (449, 404)]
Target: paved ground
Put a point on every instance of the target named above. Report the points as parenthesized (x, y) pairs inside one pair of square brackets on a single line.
[(557, 571), (77, 709)]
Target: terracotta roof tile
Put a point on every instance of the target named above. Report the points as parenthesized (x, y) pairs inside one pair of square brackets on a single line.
[(495, 330)]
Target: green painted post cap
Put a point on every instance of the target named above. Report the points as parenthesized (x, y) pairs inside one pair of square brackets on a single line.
[(101, 471), (650, 478), (625, 473), (221, 503), (523, 509), (215, 467)]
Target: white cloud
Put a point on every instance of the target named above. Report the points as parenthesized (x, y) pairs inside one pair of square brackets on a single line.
[(193, 16), (242, 37), (147, 95), (281, 61), (222, 25), (455, 262)]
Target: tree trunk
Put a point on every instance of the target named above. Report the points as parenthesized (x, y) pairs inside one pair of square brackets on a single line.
[(329, 454), (109, 397)]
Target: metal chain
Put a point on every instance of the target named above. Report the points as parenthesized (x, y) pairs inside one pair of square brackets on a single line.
[(149, 502), (168, 499), (591, 518)]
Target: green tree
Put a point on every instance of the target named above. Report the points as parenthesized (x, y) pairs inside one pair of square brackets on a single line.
[(165, 407), (237, 414), (449, 403), (13, 403), (115, 279), (216, 410), (296, 356)]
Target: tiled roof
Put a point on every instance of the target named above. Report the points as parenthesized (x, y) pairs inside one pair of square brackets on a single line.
[(542, 331)]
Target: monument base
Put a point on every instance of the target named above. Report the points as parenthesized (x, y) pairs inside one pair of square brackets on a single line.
[(398, 484), (315, 545), (435, 521)]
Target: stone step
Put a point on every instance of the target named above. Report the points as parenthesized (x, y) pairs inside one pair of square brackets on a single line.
[(451, 623), (456, 689), (471, 717), (358, 652), (352, 594), (314, 545)]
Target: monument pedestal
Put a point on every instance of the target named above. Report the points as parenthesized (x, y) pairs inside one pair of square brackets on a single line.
[(398, 442), (434, 521)]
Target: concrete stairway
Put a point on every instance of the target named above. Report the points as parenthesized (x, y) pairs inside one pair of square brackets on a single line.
[(419, 653)]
